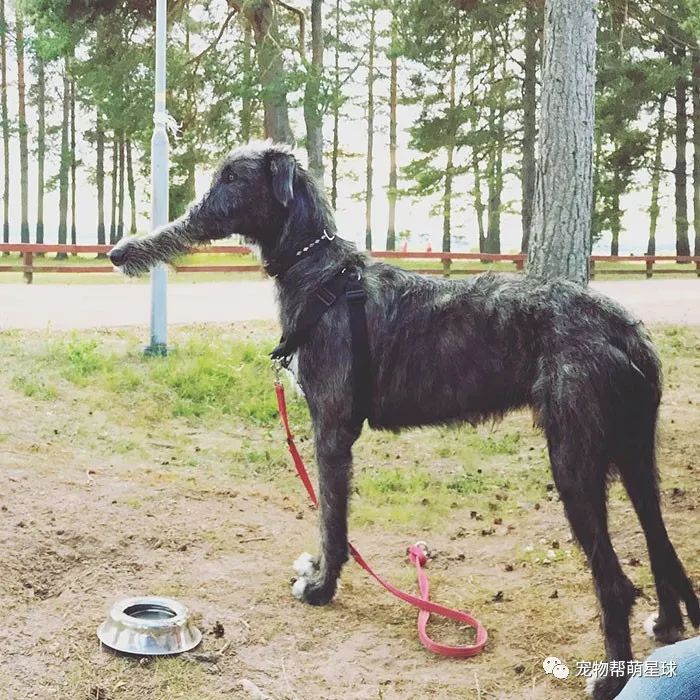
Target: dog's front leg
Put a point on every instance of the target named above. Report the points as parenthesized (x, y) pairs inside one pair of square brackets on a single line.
[(318, 576)]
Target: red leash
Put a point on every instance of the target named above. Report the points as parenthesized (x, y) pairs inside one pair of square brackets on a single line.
[(417, 555)]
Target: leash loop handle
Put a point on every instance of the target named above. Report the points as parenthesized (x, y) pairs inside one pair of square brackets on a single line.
[(417, 554)]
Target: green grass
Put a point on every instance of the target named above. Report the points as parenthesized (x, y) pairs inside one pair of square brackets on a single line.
[(201, 377)]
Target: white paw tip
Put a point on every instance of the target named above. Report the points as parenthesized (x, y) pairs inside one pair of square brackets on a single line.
[(649, 625), (590, 684), (304, 564), (299, 587)]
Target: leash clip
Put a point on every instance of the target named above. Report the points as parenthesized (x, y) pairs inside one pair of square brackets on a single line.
[(419, 552), (277, 365)]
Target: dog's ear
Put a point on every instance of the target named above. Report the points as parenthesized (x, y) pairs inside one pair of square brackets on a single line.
[(282, 167)]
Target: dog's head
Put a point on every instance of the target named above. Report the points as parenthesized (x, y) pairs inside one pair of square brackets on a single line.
[(260, 191)]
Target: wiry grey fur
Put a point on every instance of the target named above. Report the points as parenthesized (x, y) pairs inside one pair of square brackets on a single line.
[(450, 351)]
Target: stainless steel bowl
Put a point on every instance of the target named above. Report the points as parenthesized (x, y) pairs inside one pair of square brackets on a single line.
[(149, 626)]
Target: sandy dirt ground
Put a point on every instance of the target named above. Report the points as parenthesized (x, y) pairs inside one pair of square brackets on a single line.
[(83, 526), (126, 303)]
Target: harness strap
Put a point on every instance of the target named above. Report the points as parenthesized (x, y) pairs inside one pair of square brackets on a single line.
[(322, 300), (361, 361), (347, 281), (417, 556)]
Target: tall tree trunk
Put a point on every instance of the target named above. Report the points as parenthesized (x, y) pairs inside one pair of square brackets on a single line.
[(22, 128), (132, 186), (561, 223), (5, 126), (336, 108), (40, 146), (680, 174), (393, 100), (120, 204), (615, 215), (529, 119), (262, 18), (115, 178), (656, 176), (100, 178), (313, 116), (64, 167), (73, 164), (495, 160), (475, 155), (451, 142), (696, 150), (369, 169), (247, 100)]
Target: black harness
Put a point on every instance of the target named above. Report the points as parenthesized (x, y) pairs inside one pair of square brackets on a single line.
[(346, 283)]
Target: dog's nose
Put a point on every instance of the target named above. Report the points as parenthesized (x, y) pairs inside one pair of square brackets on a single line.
[(117, 256)]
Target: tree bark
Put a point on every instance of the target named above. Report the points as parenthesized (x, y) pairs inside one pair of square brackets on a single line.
[(100, 178), (5, 127), (369, 169), (132, 186), (696, 150), (529, 119), (247, 100), (656, 176), (475, 155), (120, 203), (393, 100), (64, 167), (451, 142), (73, 163), (561, 223), (680, 174), (22, 129), (261, 16), (115, 178), (495, 161), (336, 108), (313, 116), (40, 146), (615, 215)]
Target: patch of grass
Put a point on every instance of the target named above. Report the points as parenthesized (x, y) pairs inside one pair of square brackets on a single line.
[(203, 377), (79, 359), (33, 387)]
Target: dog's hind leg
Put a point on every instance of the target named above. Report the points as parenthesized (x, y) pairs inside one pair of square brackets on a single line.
[(638, 471), (318, 576), (579, 466), (582, 490)]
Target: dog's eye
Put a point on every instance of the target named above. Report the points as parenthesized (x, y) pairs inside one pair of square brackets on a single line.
[(232, 177)]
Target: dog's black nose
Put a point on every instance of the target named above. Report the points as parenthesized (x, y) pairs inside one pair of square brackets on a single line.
[(117, 256)]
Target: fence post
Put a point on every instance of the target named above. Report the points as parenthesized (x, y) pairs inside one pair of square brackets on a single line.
[(28, 260), (446, 265), (649, 268)]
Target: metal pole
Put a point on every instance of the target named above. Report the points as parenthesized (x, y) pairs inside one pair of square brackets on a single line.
[(159, 189)]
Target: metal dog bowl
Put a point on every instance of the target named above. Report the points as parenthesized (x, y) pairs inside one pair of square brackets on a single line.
[(149, 626)]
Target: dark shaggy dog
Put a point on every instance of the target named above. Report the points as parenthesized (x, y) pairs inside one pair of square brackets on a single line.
[(449, 351)]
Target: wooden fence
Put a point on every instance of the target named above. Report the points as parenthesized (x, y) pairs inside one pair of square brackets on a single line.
[(29, 265)]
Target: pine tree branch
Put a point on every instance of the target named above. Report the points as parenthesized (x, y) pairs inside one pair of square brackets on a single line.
[(195, 60)]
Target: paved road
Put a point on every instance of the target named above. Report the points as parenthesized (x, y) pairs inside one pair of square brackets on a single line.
[(127, 304)]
